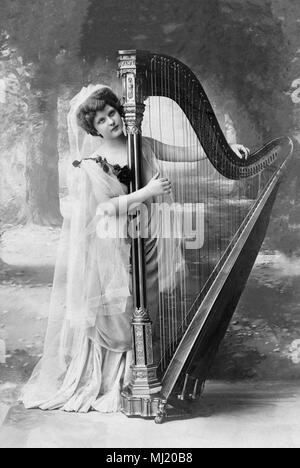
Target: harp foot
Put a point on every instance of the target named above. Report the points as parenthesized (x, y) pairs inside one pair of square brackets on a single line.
[(161, 413)]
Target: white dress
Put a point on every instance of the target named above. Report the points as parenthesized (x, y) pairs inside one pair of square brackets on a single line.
[(88, 346)]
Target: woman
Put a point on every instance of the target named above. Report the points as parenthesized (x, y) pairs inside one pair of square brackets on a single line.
[(88, 347), (87, 353)]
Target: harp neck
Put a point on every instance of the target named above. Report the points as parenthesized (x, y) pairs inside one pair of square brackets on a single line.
[(145, 74)]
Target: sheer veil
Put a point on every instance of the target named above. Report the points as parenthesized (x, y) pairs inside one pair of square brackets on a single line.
[(91, 287)]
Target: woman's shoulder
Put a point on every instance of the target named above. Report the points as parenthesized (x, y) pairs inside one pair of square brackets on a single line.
[(95, 158)]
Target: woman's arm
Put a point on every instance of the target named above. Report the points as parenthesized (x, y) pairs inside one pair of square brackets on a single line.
[(128, 203), (192, 153), (164, 152)]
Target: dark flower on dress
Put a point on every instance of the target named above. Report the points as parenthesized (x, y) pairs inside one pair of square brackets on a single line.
[(103, 163), (124, 174)]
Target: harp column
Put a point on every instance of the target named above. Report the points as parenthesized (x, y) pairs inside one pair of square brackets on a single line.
[(142, 397)]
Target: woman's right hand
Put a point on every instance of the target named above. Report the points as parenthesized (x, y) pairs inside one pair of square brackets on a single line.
[(158, 186)]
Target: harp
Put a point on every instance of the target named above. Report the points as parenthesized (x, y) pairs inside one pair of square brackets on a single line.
[(172, 356)]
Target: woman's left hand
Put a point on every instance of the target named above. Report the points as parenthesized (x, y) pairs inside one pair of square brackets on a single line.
[(242, 151)]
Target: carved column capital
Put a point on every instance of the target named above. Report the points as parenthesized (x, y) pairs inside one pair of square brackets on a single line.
[(141, 315), (133, 117), (133, 94)]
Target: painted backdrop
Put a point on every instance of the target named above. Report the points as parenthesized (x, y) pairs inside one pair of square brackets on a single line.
[(246, 54)]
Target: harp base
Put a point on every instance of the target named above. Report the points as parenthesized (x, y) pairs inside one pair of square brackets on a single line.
[(144, 381), (144, 406)]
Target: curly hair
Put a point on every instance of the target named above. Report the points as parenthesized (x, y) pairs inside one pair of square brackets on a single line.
[(97, 102)]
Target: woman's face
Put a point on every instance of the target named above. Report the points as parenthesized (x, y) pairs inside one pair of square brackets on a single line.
[(109, 123)]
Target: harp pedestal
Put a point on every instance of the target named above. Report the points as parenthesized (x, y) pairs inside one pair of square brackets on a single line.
[(144, 381), (142, 397)]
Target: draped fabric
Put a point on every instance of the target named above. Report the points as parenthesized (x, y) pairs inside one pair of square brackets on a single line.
[(88, 345), (87, 351)]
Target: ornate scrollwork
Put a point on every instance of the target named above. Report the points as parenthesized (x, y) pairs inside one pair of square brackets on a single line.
[(161, 413), (133, 116), (133, 96), (144, 374), (149, 346), (141, 314), (132, 129)]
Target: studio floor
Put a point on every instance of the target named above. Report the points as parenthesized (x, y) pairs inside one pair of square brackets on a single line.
[(229, 415), (261, 345)]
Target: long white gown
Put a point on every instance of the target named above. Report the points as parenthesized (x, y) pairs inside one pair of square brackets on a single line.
[(87, 352), (88, 346)]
